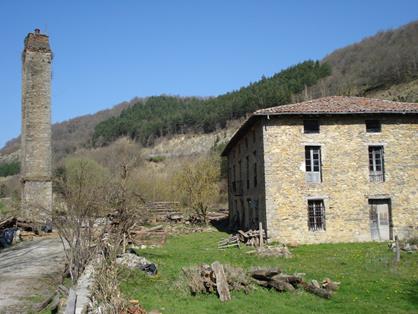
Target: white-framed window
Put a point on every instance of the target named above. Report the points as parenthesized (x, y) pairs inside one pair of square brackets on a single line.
[(313, 164), (376, 164)]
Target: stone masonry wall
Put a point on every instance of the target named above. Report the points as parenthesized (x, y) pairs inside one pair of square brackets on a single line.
[(36, 125), (247, 208), (345, 187)]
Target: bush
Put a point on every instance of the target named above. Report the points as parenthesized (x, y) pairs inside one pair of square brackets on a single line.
[(9, 168)]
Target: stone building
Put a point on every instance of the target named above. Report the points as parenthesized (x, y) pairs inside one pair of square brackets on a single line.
[(36, 125), (335, 169)]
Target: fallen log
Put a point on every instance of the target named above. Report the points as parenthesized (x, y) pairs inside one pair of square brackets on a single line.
[(323, 293), (280, 285), (264, 274), (291, 279)]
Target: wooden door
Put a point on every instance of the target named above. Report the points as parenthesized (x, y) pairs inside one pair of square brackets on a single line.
[(379, 220)]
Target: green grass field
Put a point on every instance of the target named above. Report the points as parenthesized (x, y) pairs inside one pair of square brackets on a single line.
[(370, 282)]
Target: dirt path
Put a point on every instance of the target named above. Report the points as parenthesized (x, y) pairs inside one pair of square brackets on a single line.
[(29, 271)]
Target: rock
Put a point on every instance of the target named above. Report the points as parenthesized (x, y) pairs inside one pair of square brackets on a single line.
[(131, 260), (414, 247), (406, 247)]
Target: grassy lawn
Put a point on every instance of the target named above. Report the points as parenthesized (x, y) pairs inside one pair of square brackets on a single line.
[(370, 282)]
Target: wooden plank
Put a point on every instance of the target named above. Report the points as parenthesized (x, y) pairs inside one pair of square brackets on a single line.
[(245, 235), (221, 283)]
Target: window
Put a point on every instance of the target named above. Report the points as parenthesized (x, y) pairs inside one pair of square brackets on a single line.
[(310, 126), (247, 168), (316, 215), (246, 142), (373, 126), (376, 164), (313, 164), (253, 136)]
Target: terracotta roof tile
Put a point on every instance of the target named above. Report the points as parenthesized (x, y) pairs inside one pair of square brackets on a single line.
[(328, 106), (342, 105)]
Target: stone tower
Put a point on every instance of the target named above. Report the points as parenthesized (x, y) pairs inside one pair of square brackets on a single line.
[(36, 126)]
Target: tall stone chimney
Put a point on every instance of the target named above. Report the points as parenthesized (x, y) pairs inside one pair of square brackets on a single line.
[(36, 126)]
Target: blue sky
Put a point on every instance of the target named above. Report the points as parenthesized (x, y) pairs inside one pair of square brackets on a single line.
[(107, 52)]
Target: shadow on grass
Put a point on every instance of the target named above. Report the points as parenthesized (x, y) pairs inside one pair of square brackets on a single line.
[(222, 225)]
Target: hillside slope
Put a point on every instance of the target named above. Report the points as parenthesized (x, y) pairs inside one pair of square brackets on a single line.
[(381, 66), (385, 61), (68, 136)]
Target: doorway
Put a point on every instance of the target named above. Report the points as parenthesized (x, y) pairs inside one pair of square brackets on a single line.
[(380, 219)]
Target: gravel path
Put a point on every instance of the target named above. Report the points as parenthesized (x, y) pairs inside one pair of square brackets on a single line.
[(29, 271)]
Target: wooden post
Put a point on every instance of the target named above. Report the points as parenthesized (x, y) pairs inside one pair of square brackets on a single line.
[(260, 225), (398, 250)]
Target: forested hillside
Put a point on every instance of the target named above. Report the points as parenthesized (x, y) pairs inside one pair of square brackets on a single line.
[(165, 115), (375, 64)]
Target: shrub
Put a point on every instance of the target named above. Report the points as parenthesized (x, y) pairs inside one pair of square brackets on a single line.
[(9, 168)]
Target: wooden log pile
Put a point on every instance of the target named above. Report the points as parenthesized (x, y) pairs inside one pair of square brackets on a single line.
[(216, 278), (223, 279), (254, 238), (281, 282)]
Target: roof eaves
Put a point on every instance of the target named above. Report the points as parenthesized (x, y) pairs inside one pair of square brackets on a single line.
[(332, 112), (237, 135)]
